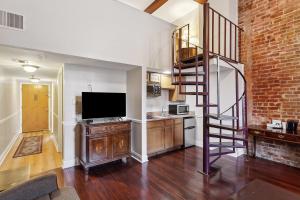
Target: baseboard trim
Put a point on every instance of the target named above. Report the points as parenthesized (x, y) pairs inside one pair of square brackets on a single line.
[(199, 143), (138, 157), (54, 141), (8, 148), (70, 163)]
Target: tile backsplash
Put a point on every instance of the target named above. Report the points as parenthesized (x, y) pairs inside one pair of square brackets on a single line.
[(155, 104)]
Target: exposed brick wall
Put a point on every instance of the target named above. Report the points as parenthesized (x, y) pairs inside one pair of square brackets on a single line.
[(271, 54), (277, 151)]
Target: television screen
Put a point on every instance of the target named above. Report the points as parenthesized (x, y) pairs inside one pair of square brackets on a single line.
[(101, 105)]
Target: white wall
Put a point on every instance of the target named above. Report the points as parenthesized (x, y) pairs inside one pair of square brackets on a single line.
[(77, 80), (59, 138), (228, 8), (155, 104), (105, 30), (135, 112), (9, 112), (194, 19), (134, 89), (57, 108)]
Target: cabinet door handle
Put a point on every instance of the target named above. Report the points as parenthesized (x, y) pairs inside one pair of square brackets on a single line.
[(281, 136), (256, 132)]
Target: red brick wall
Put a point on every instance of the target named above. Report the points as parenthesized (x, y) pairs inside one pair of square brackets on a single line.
[(271, 54)]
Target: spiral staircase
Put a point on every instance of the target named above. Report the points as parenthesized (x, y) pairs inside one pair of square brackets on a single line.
[(224, 131)]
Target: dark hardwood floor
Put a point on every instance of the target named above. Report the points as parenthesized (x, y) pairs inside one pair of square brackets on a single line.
[(175, 176)]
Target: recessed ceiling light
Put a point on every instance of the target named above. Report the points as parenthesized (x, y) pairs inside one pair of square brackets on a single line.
[(34, 79), (30, 68)]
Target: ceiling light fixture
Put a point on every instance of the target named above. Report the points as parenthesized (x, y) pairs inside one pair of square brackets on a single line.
[(34, 79), (167, 72), (30, 68)]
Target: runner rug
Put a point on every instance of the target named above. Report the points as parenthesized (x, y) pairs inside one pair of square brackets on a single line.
[(29, 146)]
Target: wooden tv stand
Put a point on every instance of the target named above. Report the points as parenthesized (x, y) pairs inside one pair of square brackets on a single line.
[(104, 142)]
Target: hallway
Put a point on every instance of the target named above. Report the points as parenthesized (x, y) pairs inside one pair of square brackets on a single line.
[(49, 159)]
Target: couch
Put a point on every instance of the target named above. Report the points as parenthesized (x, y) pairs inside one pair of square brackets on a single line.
[(40, 188)]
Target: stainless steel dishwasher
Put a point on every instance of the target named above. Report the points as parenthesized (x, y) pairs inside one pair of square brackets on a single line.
[(189, 127)]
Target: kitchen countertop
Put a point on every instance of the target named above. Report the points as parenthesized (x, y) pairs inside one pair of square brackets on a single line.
[(155, 116)]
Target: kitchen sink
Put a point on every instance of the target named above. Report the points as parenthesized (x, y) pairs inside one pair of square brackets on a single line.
[(158, 116)]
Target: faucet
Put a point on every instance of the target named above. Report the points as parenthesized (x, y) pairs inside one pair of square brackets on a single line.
[(162, 111)]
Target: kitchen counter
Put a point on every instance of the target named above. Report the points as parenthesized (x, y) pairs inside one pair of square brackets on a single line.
[(155, 116)]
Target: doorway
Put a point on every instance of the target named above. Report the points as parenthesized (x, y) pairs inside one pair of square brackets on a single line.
[(35, 107)]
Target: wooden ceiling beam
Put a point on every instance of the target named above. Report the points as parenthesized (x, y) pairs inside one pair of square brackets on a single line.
[(154, 6), (201, 1)]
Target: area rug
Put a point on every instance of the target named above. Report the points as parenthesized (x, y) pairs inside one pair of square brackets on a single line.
[(30, 146)]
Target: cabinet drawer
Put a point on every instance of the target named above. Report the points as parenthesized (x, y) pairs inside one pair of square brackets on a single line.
[(285, 137), (109, 128), (154, 124), (169, 122), (178, 121), (256, 132)]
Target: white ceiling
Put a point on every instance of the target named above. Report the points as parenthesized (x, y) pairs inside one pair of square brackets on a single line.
[(49, 63), (138, 4), (170, 11)]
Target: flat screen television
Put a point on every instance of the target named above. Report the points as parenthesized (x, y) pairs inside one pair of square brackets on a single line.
[(102, 105)]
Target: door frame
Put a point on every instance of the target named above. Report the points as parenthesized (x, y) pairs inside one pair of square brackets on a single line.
[(50, 102)]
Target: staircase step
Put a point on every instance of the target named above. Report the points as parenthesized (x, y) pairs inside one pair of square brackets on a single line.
[(188, 83), (188, 65), (193, 58), (228, 136), (226, 145), (201, 73), (216, 152), (225, 127), (194, 93), (209, 105), (222, 117), (215, 158)]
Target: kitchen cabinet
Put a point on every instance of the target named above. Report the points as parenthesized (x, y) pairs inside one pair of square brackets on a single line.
[(155, 136), (169, 133), (178, 132), (162, 135), (166, 82), (154, 77)]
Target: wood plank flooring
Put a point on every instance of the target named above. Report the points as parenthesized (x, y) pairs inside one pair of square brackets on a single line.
[(49, 159), (175, 176)]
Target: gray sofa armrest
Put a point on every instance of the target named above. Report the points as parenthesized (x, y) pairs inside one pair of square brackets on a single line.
[(32, 189), (65, 193)]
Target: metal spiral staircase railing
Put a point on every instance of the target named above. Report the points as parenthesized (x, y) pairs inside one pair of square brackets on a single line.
[(191, 67)]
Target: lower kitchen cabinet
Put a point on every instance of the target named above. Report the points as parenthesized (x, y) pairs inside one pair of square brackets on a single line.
[(155, 139), (169, 136), (164, 135), (178, 132)]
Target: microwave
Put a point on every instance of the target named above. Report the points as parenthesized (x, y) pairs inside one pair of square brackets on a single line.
[(178, 109)]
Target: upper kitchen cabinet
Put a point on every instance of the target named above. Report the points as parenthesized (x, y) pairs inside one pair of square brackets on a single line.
[(166, 82), (153, 77)]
